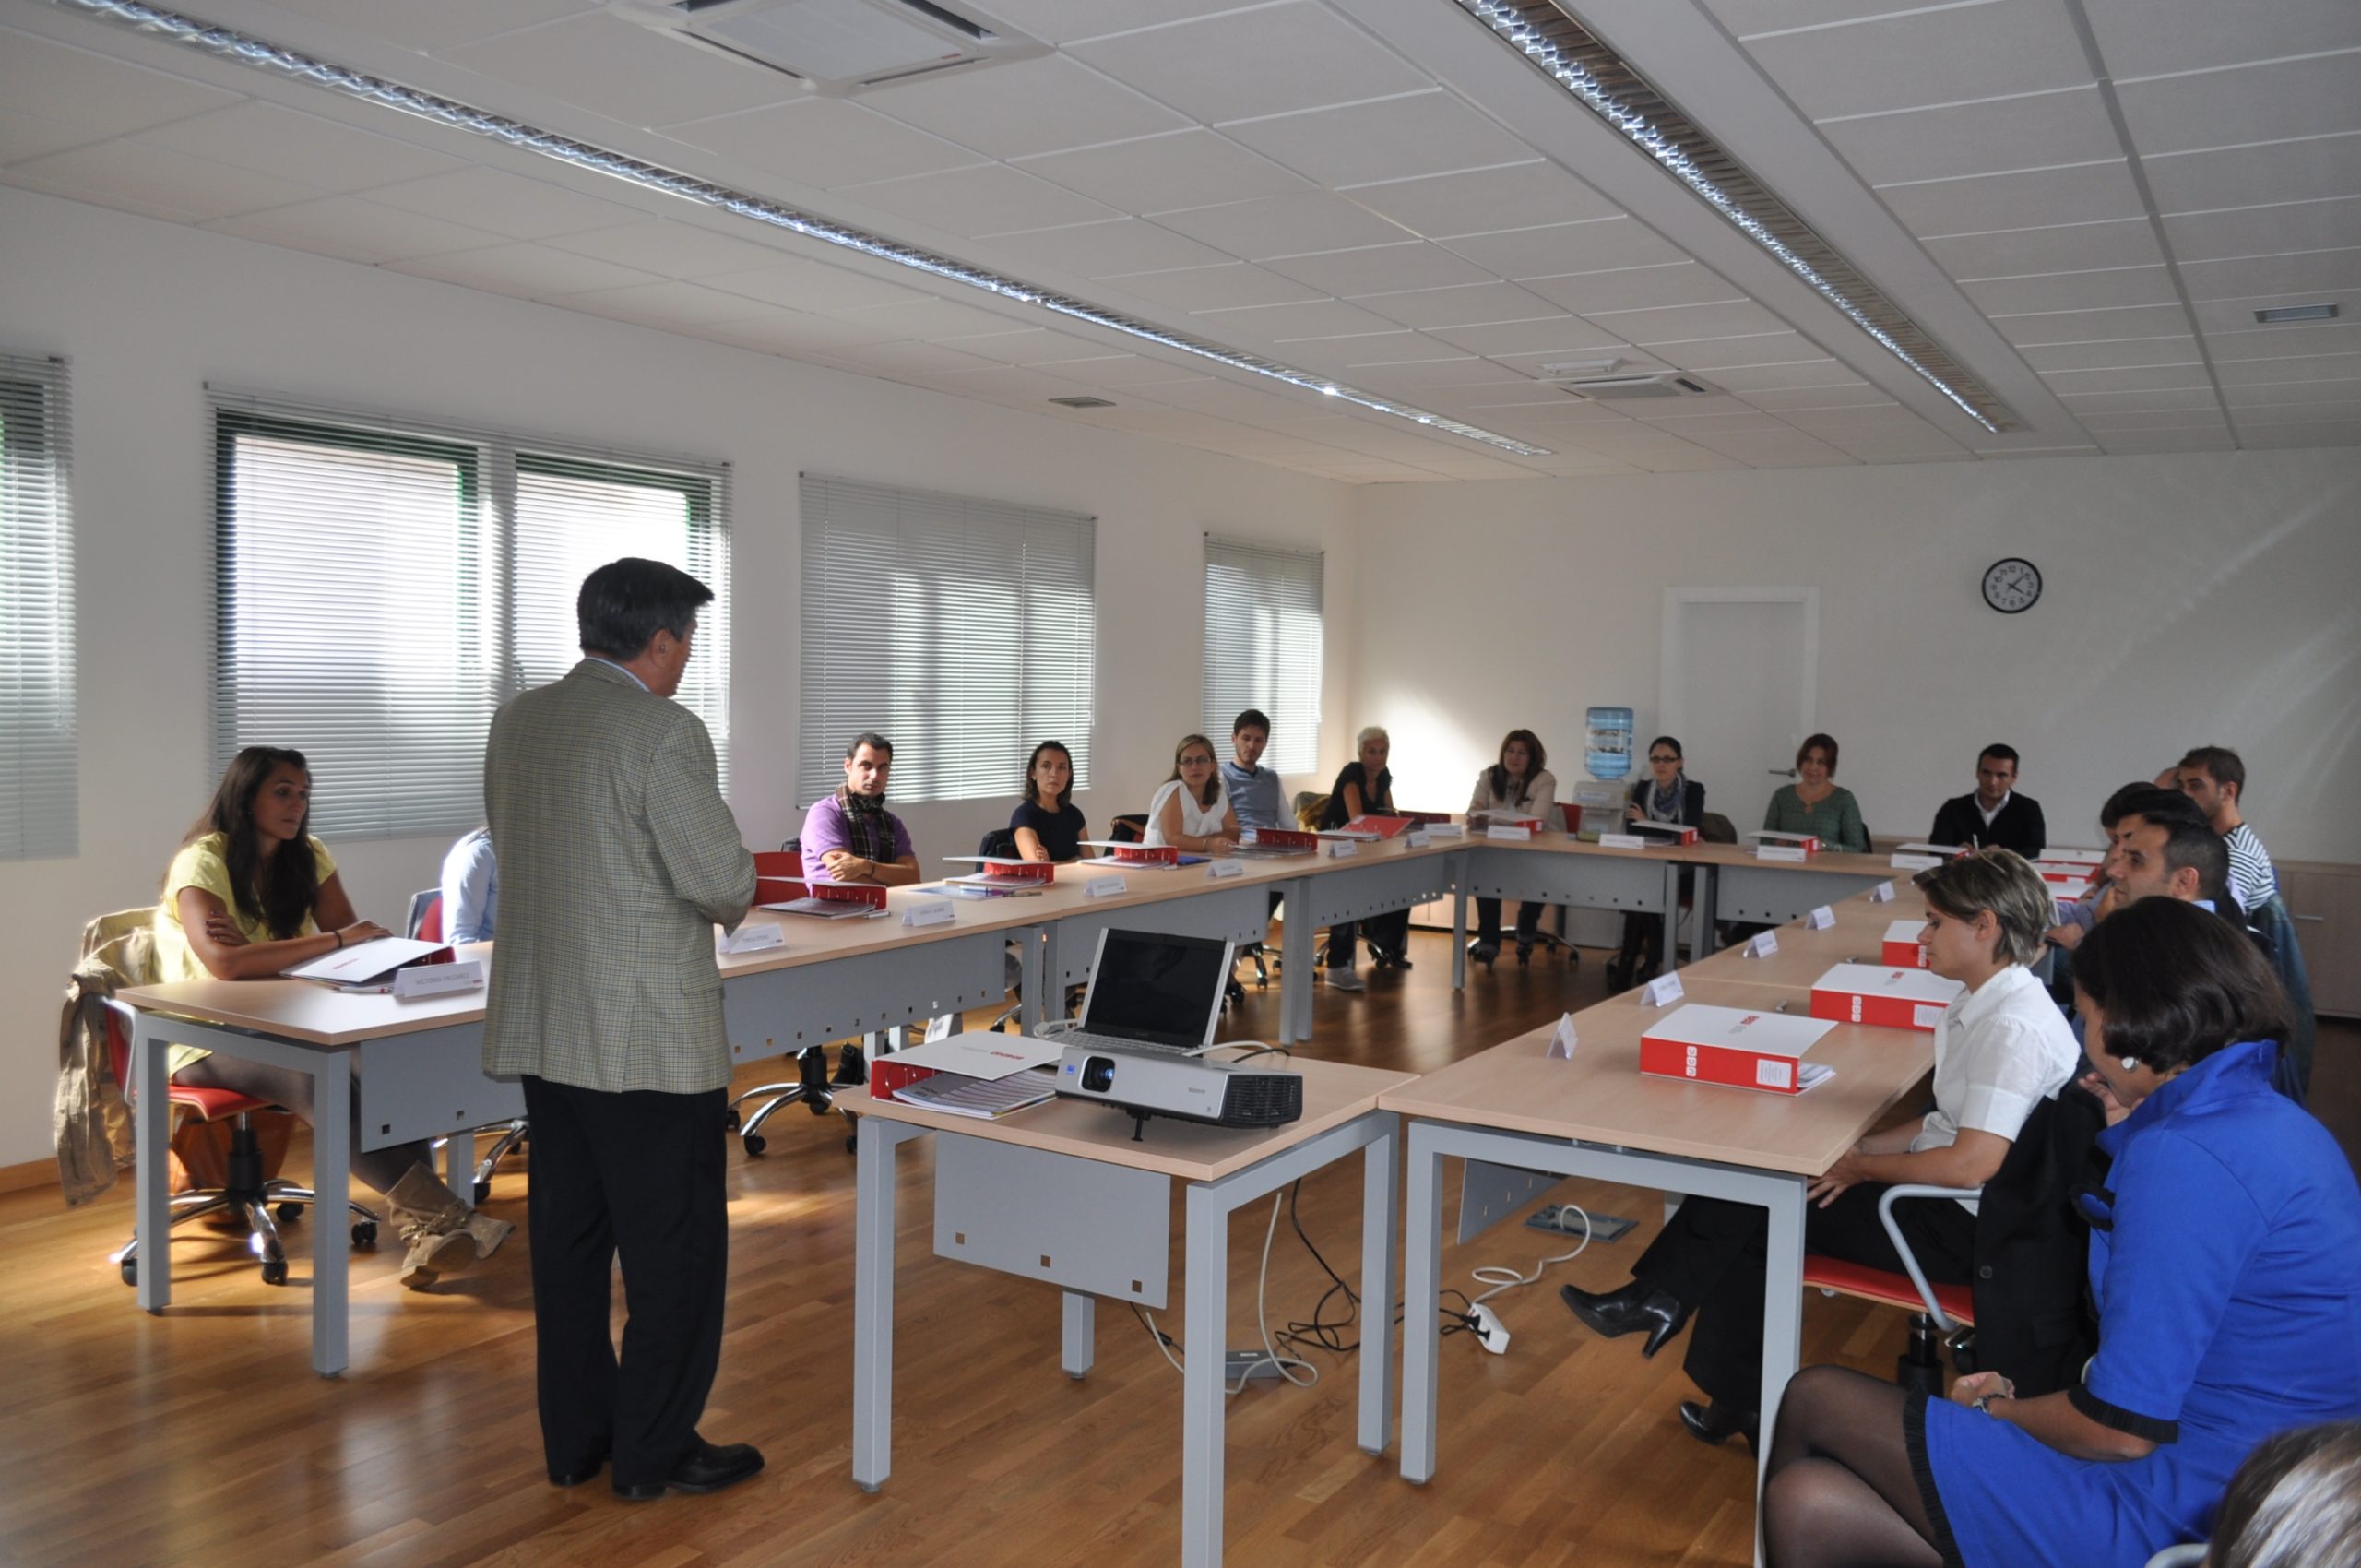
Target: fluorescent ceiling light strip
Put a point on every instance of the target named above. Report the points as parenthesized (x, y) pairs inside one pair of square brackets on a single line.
[(267, 56), (1557, 45)]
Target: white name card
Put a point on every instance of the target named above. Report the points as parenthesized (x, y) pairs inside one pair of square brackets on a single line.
[(1220, 869), (754, 938), (929, 911), (1339, 848), (1915, 862), (439, 980), (1924, 1013), (1563, 1043), (1446, 830), (1663, 989), (1621, 841), (1105, 887), (1508, 831), (1820, 919), (1881, 894), (1784, 852), (1764, 944), (1418, 838)]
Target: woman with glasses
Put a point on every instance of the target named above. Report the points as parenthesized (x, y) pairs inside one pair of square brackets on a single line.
[(1191, 810), (1666, 795), (2225, 1264)]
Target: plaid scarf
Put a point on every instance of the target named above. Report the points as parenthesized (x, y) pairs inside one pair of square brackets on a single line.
[(869, 826)]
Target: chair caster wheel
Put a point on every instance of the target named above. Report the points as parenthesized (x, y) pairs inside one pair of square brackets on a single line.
[(290, 1212), (483, 1193), (852, 1143), (365, 1232), (131, 1271), (274, 1271), (755, 1144), (730, 1119), (1524, 957)]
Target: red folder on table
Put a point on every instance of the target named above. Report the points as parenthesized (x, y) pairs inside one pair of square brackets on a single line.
[(835, 899), (1134, 854), (1282, 839), (1001, 868), (1678, 832), (1737, 1046), (1902, 950), (1892, 997), (1384, 827)]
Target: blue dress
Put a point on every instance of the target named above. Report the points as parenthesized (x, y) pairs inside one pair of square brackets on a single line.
[(2229, 1296)]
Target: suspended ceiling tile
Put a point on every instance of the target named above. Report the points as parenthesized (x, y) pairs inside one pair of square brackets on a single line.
[(1462, 305), (322, 154), (1568, 337), (1413, 379), (1289, 225), (2072, 247), (1165, 174), (1730, 418), (2264, 372), (2291, 340), (2226, 108), (1383, 350), (1069, 21), (1682, 324), (1213, 288), (667, 303), (1381, 269), (2049, 327), (2275, 437), (1332, 319), (1038, 348), (1795, 400), (2321, 271), (991, 198), (2297, 226), (2176, 442), (2281, 394), (1111, 247), (1556, 249), (430, 25), (2135, 378), (824, 142), (2119, 403), (2037, 132), (2342, 410), (2247, 176), (811, 286), (1755, 351), (352, 229), (501, 203), (930, 318), (2114, 354), (1394, 138), (1442, 205), (1926, 55), (159, 181), (533, 272), (1007, 383), (1807, 373), (28, 135), (1251, 63), (2146, 37), (1024, 107), (1634, 288), (671, 250), (627, 72), (91, 93), (2156, 419), (913, 358), (1980, 203), (2106, 290), (793, 332), (1747, 17)]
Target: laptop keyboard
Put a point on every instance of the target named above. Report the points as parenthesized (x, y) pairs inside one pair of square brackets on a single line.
[(1110, 1042)]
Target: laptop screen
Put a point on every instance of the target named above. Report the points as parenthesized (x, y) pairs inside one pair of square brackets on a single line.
[(1156, 990)]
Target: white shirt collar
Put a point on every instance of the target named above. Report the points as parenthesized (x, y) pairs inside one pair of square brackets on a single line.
[(1994, 996)]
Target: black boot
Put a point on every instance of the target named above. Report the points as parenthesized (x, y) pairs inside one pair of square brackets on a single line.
[(1639, 1306), (1713, 1422)]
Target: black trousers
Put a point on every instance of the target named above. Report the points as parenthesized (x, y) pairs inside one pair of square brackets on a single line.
[(1390, 931), (1487, 922), (638, 1174), (1712, 1255)]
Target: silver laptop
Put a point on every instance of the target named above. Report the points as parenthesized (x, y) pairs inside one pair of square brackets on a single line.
[(1149, 992)]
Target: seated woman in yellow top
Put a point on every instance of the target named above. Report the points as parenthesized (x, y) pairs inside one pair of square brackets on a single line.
[(247, 898)]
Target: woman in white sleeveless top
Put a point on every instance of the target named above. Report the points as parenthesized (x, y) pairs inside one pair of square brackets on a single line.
[(1191, 810)]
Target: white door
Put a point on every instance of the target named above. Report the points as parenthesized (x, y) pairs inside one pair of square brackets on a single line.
[(1740, 669)]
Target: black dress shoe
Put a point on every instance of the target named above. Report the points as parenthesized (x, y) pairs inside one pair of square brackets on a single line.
[(1636, 1306), (852, 1068), (1713, 1422), (706, 1467), (585, 1472)]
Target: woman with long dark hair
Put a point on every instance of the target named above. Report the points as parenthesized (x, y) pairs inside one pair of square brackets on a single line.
[(1518, 784), (2226, 1262), (1047, 825), (251, 895)]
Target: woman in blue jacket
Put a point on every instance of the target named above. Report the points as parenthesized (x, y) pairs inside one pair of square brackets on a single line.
[(2226, 1262)]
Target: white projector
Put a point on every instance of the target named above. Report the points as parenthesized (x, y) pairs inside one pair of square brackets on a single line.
[(1155, 1083)]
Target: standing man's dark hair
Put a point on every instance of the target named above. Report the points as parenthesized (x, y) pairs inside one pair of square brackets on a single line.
[(624, 603), (618, 856)]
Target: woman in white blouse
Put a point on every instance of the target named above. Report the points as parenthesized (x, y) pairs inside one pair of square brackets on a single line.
[(1192, 811)]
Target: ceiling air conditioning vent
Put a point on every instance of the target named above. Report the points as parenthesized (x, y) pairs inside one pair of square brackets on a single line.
[(1082, 402), (1629, 388), (838, 46)]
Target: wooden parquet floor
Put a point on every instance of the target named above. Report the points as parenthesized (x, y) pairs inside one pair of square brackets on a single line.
[(201, 1437)]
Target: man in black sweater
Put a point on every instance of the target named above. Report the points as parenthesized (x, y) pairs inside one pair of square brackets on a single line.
[(1995, 814)]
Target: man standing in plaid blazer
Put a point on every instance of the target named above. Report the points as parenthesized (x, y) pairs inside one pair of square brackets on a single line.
[(617, 857)]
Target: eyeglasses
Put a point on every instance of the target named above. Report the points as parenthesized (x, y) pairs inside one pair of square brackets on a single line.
[(1661, 757)]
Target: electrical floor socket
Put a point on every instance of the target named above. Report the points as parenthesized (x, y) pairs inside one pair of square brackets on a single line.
[(1246, 1364), (1567, 1220)]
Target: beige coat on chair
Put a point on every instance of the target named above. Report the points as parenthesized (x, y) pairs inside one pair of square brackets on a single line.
[(617, 857)]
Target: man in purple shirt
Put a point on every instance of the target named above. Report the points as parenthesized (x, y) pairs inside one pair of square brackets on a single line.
[(849, 835)]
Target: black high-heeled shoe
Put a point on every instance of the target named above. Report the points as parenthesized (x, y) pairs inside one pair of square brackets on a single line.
[(1637, 1306), (1482, 952), (1713, 1423)]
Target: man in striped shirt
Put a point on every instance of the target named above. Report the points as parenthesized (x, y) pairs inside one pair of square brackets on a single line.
[(2215, 777)]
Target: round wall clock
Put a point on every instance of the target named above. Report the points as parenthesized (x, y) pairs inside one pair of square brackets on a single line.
[(2012, 585)]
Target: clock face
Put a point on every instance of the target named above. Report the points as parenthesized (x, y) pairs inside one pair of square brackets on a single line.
[(2012, 585)]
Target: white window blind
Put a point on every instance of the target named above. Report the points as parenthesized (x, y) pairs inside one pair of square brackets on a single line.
[(1263, 645), (383, 586), (963, 631), (40, 804)]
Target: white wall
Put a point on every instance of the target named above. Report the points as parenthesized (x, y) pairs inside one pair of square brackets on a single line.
[(150, 312), (2189, 600)]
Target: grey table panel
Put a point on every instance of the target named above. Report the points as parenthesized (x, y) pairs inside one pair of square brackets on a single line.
[(1343, 891), (1094, 1228), (778, 1012), (1597, 882), (430, 1086), (1773, 895), (1226, 912)]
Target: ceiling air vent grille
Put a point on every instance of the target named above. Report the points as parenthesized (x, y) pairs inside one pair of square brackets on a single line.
[(838, 46), (1082, 402), (1621, 389)]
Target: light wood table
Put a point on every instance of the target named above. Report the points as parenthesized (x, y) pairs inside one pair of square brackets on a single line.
[(1061, 1192), (1734, 886), (1511, 1112), (1557, 868)]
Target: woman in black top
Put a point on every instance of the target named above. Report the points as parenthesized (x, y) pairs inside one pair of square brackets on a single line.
[(1047, 825), (1363, 786), (1669, 794)]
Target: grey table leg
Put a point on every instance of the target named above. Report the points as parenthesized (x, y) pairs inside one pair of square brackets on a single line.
[(1783, 1324), (1377, 1289), (1700, 945), (459, 1166), (1672, 917), (1207, 1331), (1028, 979), (1458, 925), (1296, 961), (331, 1211), (1079, 1338), (872, 1300), (153, 1135), (1421, 1315)]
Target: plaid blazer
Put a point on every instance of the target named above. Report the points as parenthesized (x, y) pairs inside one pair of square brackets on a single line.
[(617, 856)]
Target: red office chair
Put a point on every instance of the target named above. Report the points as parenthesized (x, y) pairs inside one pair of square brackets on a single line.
[(1940, 1315), (778, 876), (245, 1190), (426, 925)]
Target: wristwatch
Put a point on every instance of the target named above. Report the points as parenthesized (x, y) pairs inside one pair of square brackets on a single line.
[(1984, 1401)]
